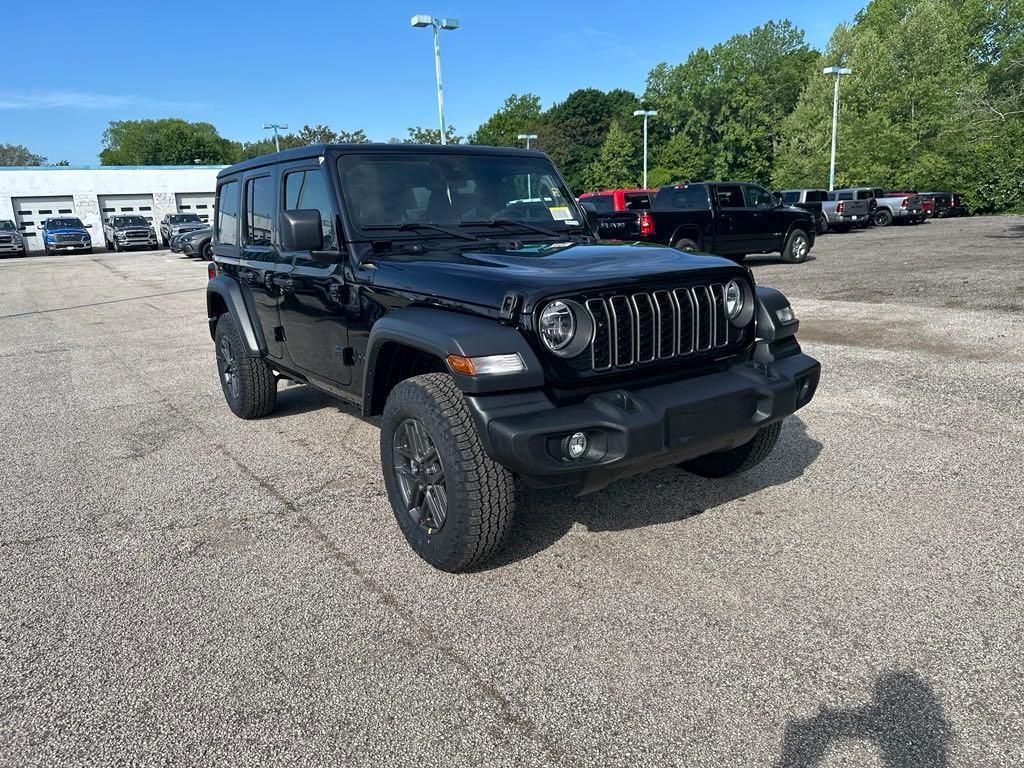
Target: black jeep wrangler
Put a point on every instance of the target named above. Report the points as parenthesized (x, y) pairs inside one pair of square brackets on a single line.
[(460, 292)]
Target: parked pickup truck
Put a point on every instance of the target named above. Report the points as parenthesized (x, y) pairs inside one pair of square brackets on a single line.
[(609, 200), (810, 200), (843, 211), (724, 218), (128, 231), (889, 207), (11, 240)]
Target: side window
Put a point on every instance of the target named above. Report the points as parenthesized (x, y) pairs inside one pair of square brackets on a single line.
[(638, 201), (227, 214), (690, 198), (259, 207), (793, 197), (816, 196), (758, 197), (603, 203), (730, 196), (308, 189), (846, 196)]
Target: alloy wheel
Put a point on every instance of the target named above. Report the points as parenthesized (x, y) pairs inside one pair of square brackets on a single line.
[(420, 476), (800, 247), (229, 367)]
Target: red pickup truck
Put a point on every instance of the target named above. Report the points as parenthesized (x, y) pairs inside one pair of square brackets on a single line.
[(610, 200)]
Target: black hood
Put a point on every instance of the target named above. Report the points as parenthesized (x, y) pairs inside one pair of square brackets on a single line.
[(483, 276)]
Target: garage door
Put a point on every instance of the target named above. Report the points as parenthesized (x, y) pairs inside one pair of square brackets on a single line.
[(123, 204), (200, 203), (33, 211)]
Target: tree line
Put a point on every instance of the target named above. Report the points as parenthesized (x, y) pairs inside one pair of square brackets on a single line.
[(935, 101)]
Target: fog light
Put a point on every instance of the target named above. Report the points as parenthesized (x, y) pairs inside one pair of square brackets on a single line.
[(576, 445)]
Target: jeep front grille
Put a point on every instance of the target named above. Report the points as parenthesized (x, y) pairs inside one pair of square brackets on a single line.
[(637, 328)]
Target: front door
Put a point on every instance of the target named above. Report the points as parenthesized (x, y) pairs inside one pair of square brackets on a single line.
[(313, 303), (765, 220), (734, 221), (262, 270)]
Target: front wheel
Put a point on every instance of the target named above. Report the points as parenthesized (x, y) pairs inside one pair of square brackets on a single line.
[(207, 251), (739, 459), (798, 246), (249, 384), (453, 503)]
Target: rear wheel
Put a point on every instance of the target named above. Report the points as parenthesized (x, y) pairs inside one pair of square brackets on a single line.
[(249, 384), (739, 459), (686, 244), (882, 217), (798, 246), (453, 503)]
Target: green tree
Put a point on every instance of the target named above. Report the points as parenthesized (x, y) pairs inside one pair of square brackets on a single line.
[(310, 134), (421, 135), (167, 141), (572, 131), (615, 166), (18, 154), (719, 111), (519, 114)]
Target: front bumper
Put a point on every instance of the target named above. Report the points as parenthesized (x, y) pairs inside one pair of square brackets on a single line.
[(12, 248), (80, 246), (137, 243), (635, 431)]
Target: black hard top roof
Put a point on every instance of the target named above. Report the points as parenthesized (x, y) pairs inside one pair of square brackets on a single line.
[(316, 150)]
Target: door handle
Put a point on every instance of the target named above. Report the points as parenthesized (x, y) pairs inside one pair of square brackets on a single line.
[(284, 283)]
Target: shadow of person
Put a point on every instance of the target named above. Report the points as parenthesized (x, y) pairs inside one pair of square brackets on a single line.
[(904, 719), (667, 495)]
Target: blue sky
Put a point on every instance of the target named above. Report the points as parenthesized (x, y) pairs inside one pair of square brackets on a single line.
[(350, 65)]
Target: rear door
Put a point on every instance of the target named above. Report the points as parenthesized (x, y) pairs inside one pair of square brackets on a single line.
[(314, 296), (261, 266)]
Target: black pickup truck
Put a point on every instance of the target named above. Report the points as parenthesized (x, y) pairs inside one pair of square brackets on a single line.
[(724, 218)]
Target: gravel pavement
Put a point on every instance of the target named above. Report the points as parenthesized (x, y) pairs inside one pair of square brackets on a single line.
[(180, 587)]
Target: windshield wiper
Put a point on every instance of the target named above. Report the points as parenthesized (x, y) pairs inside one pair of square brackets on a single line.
[(412, 226), (512, 223)]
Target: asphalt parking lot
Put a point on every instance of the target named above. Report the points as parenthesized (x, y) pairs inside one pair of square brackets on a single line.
[(181, 587)]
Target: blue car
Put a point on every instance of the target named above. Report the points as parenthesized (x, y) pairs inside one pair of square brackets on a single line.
[(66, 233)]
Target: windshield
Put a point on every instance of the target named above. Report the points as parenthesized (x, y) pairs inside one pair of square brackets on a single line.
[(129, 221), (6, 225), (63, 223), (383, 191), (186, 218)]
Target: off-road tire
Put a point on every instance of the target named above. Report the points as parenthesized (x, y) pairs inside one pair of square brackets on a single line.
[(739, 459), (882, 217), (257, 385), (480, 492), (686, 244), (790, 252)]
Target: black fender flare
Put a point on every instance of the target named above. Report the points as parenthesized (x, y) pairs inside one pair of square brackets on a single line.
[(228, 291), (775, 338), (441, 332)]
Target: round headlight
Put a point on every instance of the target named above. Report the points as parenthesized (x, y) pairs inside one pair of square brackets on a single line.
[(733, 299), (557, 326)]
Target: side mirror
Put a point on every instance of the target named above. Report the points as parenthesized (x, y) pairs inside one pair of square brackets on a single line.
[(88, 226), (300, 230), (590, 211), (777, 199)]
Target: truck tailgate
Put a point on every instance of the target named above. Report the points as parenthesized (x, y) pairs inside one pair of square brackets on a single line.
[(619, 225)]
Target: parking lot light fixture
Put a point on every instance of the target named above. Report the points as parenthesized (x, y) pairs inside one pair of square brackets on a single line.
[(423, 20), (275, 126), (527, 137), (647, 113), (836, 72)]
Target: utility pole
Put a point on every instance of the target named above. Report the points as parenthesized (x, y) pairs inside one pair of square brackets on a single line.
[(646, 114), (275, 126), (526, 137), (838, 72), (423, 20)]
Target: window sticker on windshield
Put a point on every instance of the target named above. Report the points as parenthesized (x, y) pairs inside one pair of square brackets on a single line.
[(560, 212)]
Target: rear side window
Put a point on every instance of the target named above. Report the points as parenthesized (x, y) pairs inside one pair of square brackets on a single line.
[(307, 189), (637, 201), (603, 203), (730, 196), (690, 198), (227, 213), (259, 207), (816, 196), (792, 197), (848, 196)]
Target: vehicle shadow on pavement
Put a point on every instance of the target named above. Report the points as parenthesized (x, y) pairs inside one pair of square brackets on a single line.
[(664, 496), (1010, 233), (904, 720)]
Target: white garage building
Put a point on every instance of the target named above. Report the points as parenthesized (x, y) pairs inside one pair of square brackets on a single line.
[(29, 195)]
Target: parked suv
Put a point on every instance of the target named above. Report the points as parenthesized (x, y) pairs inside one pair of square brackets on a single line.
[(66, 233), (11, 240), (173, 224), (128, 231), (489, 330)]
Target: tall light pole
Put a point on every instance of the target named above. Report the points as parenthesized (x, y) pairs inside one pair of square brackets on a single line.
[(275, 126), (422, 20), (646, 114), (838, 72), (526, 137)]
